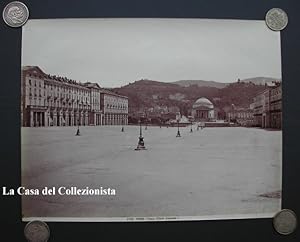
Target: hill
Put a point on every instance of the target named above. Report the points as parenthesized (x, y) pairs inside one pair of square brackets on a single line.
[(200, 83), (159, 97), (153, 94), (260, 80), (240, 94)]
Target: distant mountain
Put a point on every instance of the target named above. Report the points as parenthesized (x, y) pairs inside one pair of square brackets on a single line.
[(260, 80), (201, 83), (151, 83)]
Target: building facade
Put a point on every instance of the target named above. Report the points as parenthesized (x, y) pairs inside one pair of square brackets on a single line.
[(276, 107), (262, 109), (114, 107), (242, 116), (58, 101), (268, 107)]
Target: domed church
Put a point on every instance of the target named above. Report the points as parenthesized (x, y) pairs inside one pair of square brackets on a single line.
[(203, 110)]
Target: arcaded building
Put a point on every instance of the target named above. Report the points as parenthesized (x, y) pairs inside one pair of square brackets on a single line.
[(262, 109), (114, 108), (203, 110), (268, 107), (58, 101), (276, 107), (242, 116)]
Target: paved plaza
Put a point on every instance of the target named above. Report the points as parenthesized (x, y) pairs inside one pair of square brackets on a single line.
[(210, 172)]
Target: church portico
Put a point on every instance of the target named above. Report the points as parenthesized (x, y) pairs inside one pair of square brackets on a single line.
[(203, 110)]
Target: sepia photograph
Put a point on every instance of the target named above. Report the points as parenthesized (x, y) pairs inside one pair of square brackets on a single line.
[(139, 119)]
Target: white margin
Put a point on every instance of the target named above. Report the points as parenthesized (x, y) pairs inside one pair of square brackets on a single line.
[(149, 219)]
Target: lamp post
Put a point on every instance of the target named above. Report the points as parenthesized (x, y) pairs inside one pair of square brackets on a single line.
[(146, 126), (191, 131), (178, 132), (122, 130), (202, 124), (78, 131), (141, 144)]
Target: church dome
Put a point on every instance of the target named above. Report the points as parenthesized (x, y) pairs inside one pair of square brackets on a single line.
[(203, 102)]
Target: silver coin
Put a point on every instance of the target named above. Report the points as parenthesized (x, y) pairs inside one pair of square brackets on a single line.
[(15, 14), (276, 19), (285, 222), (37, 231)]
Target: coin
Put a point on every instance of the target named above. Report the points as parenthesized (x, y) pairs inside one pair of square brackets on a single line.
[(37, 231), (285, 222), (15, 14), (276, 19)]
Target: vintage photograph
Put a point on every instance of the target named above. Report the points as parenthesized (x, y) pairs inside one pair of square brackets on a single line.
[(150, 119)]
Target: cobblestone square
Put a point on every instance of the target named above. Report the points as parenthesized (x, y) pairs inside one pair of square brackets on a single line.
[(214, 172)]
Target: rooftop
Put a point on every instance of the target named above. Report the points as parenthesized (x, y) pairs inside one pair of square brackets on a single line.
[(36, 70)]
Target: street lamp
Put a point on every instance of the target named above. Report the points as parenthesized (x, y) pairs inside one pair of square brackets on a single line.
[(191, 131), (141, 144), (146, 126), (202, 124), (78, 131), (122, 130), (178, 132)]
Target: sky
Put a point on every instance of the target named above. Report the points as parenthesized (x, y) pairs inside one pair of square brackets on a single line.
[(114, 52)]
